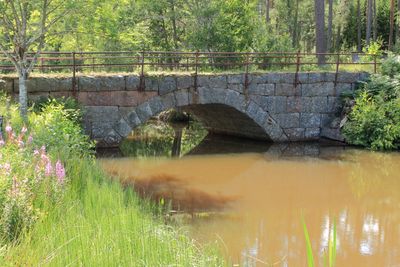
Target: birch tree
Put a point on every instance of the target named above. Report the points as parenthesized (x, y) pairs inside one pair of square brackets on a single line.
[(24, 25)]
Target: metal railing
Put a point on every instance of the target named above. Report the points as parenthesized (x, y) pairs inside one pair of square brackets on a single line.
[(141, 62)]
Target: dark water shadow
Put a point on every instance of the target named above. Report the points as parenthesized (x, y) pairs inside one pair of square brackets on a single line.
[(220, 144), (177, 192), (224, 144)]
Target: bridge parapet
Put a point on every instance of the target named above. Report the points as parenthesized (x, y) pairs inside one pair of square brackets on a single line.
[(274, 106)]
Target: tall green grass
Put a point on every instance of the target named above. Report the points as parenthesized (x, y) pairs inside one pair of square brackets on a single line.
[(101, 224), (329, 256)]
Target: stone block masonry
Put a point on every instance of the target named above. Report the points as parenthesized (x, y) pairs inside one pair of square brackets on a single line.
[(270, 106)]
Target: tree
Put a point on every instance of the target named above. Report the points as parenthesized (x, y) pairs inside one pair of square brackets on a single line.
[(330, 19), (267, 9), (391, 24), (320, 43), (23, 29), (358, 26), (369, 23)]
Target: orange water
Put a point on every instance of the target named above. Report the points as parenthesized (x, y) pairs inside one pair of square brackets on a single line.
[(252, 203)]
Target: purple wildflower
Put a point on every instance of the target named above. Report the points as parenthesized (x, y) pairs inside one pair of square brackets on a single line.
[(2, 143), (24, 130), (60, 172), (48, 169), (30, 139)]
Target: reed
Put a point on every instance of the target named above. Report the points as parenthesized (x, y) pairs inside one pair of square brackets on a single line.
[(329, 256)]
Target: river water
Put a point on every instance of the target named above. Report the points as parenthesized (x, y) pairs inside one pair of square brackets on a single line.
[(250, 197)]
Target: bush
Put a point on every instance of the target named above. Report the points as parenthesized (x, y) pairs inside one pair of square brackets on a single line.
[(58, 128), (391, 65), (374, 121)]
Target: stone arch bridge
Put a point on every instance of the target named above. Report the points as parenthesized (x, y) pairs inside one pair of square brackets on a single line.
[(277, 107)]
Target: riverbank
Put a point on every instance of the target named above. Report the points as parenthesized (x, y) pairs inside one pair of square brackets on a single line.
[(87, 219)]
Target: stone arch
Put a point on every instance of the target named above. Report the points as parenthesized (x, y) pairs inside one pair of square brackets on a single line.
[(189, 99)]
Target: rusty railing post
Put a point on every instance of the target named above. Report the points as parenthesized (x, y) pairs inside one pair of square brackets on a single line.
[(41, 64), (296, 76), (141, 81), (93, 63), (196, 62), (74, 75), (246, 75), (337, 68)]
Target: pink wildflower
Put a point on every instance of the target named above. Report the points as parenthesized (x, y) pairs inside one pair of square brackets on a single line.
[(35, 152), (48, 170), (21, 144), (8, 129), (24, 130), (2, 143), (45, 158), (30, 139), (7, 168), (60, 172)]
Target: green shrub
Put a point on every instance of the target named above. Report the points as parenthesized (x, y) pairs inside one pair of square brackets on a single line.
[(58, 128), (391, 65), (374, 121)]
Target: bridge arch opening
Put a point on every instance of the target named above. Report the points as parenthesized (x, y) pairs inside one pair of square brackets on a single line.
[(221, 111), (226, 120)]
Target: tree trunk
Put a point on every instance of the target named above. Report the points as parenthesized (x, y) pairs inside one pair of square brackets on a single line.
[(398, 22), (375, 22), (23, 94), (358, 26), (369, 23), (338, 39), (390, 45), (295, 25), (175, 34), (320, 30), (176, 145), (330, 18), (267, 18)]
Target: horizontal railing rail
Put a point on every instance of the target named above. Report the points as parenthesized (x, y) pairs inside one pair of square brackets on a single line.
[(141, 62)]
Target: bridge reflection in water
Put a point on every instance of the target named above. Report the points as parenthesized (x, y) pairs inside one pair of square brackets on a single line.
[(253, 200)]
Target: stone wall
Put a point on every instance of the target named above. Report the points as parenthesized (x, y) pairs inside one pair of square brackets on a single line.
[(268, 106)]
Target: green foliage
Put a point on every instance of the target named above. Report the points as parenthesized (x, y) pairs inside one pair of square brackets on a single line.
[(375, 118), (58, 128), (391, 65)]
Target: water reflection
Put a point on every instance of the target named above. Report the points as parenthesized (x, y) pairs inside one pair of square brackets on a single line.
[(178, 193), (257, 199)]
